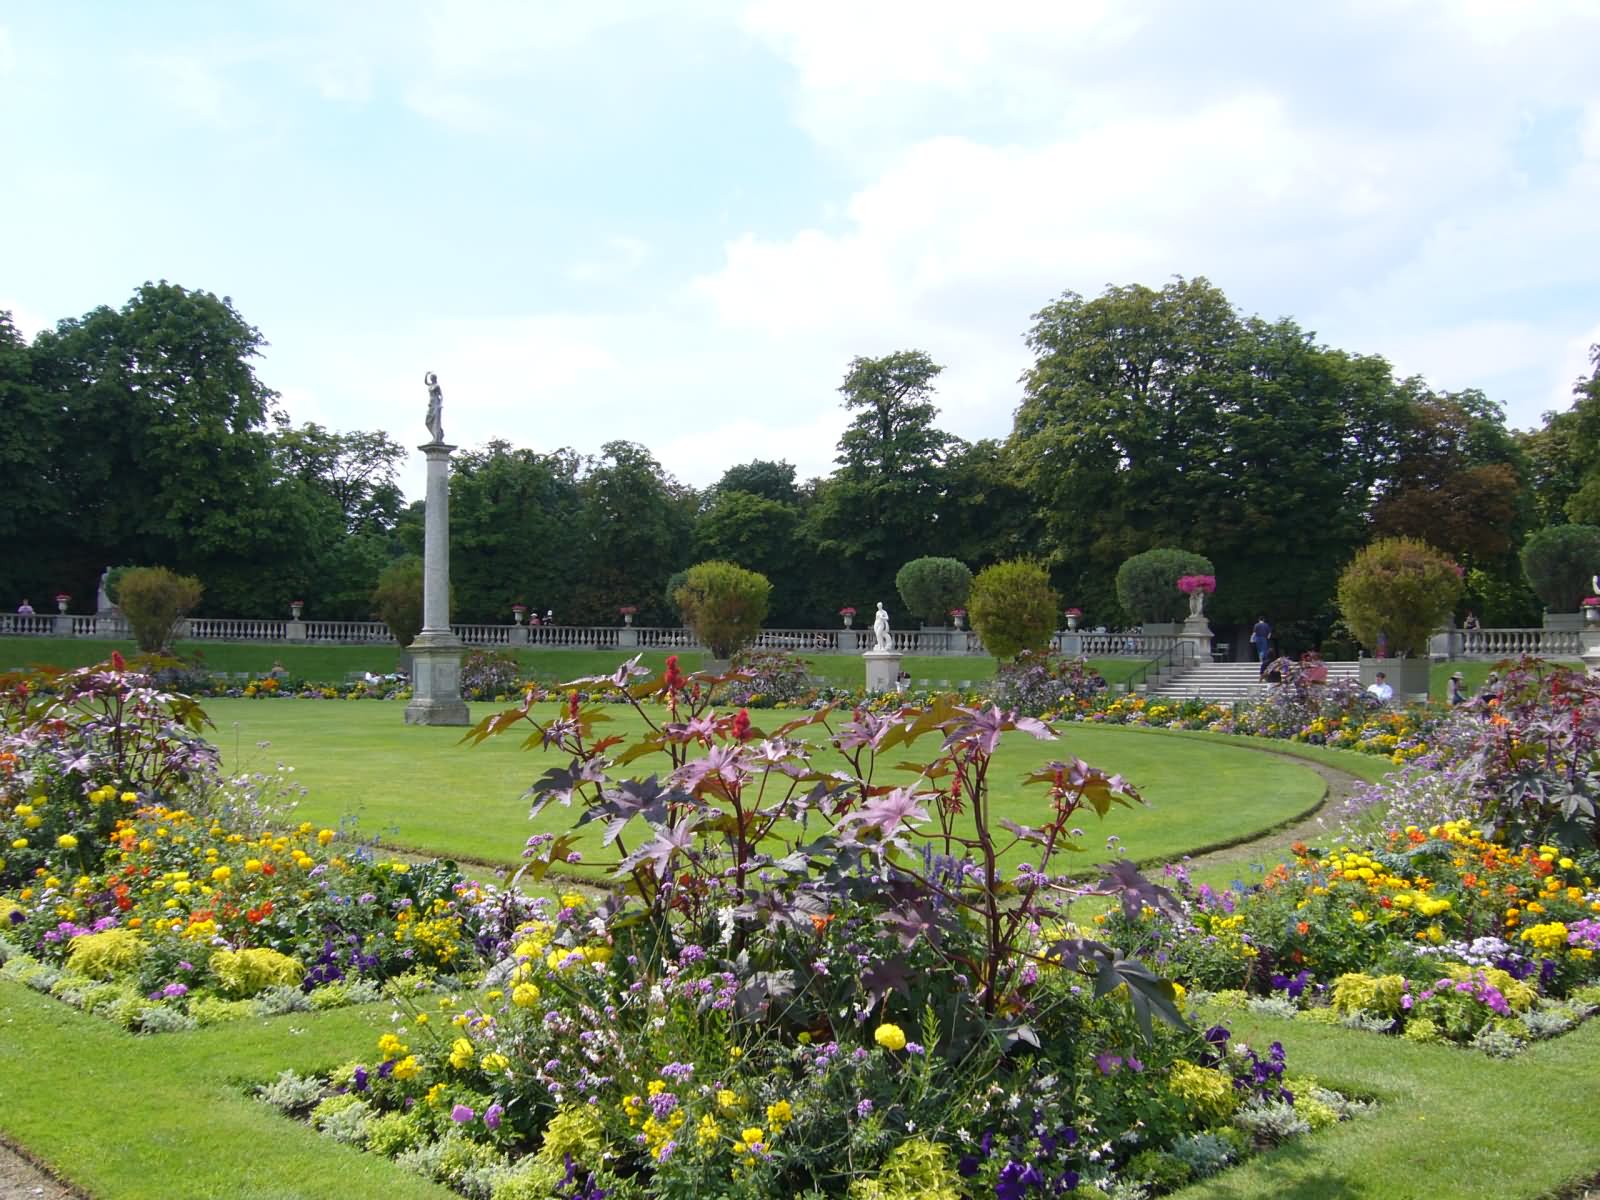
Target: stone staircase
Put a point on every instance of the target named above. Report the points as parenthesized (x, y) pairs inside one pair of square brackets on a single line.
[(1226, 682)]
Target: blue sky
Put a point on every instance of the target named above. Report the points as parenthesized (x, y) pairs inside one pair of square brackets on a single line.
[(675, 223)]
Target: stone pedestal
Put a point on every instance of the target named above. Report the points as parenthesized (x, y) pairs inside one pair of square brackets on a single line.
[(627, 637), (62, 625), (1590, 638), (1409, 677), (883, 670), (436, 682), (436, 651), (1197, 632), (294, 630), (517, 635), (848, 641), (1072, 644)]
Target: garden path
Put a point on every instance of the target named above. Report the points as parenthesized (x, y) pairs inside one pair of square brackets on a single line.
[(19, 1178)]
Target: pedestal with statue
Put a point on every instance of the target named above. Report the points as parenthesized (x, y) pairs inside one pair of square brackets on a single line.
[(1196, 628), (883, 660), (436, 651)]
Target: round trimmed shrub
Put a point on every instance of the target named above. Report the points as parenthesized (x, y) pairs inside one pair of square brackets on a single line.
[(397, 599), (724, 604), (1401, 589), (154, 600), (1013, 607), (1561, 562), (932, 587), (1147, 584)]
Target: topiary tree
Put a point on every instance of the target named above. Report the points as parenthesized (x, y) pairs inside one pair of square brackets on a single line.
[(1400, 589), (675, 584), (1561, 563), (724, 604), (397, 599), (1147, 584), (1013, 607), (932, 587), (154, 600)]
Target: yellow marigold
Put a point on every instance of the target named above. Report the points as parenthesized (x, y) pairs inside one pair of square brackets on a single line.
[(221, 874), (890, 1037), (1547, 938), (525, 995), (67, 842), (324, 836), (390, 1046), (407, 1068)]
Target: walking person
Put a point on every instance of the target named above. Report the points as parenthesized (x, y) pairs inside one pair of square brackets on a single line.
[(1261, 639), (1457, 695)]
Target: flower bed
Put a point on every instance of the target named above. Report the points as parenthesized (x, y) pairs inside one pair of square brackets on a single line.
[(589, 1069), (1479, 927)]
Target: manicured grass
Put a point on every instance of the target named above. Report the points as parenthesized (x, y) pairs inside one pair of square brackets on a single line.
[(1453, 1123), (420, 787), (159, 1118)]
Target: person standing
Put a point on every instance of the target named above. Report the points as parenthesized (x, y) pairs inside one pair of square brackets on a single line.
[(24, 609), (1261, 639), (1457, 695)]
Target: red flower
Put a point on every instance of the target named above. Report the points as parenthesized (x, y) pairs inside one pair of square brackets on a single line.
[(118, 663), (572, 704), (741, 725)]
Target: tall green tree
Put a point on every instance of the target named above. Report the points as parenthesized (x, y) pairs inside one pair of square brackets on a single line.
[(1160, 417), (879, 508), (637, 521), (179, 469)]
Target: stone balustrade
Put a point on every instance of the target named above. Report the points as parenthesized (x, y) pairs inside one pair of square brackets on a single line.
[(1514, 643), (1492, 644)]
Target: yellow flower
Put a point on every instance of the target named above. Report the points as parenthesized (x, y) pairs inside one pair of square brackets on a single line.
[(324, 836), (19, 843), (221, 874), (727, 1101), (708, 1131), (890, 1037), (67, 842), (525, 995), (461, 1054), (493, 1063), (390, 1046), (407, 1068), (779, 1115)]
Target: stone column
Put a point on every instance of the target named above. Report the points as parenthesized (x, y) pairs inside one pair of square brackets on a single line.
[(436, 652)]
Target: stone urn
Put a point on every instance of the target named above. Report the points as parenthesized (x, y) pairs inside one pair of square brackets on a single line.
[(849, 619), (627, 618), (1072, 621), (958, 618), (1591, 615), (295, 608), (518, 611), (61, 602)]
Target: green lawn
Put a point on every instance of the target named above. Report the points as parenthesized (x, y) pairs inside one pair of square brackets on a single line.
[(421, 787)]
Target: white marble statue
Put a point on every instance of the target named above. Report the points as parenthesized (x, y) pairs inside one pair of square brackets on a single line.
[(1197, 603), (880, 629), (435, 406)]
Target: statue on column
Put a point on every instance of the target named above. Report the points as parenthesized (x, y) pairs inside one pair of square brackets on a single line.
[(435, 407), (880, 629)]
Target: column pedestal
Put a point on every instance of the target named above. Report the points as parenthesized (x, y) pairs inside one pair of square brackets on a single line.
[(883, 670), (436, 681), (1197, 632)]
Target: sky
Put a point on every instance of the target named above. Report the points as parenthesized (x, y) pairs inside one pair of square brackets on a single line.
[(675, 223)]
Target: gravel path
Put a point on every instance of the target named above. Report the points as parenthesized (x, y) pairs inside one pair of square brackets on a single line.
[(21, 1180)]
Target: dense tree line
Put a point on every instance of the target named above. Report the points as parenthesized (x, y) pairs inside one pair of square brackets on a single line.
[(1150, 417)]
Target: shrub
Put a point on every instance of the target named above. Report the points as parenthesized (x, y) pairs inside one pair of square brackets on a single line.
[(246, 972), (1013, 608), (932, 587), (103, 955), (489, 674), (776, 678), (1147, 584), (724, 604), (154, 599), (1399, 588), (397, 599), (674, 585), (1561, 562), (1038, 683)]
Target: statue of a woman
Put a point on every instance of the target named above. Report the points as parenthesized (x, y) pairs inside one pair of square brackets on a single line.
[(435, 407), (1197, 602), (880, 629)]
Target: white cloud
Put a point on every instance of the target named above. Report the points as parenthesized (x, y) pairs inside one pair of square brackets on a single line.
[(618, 256)]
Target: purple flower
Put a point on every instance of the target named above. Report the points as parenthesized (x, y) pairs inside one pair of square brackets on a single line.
[(863, 1108), (1107, 1062), (492, 1115), (461, 1114), (359, 1079)]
